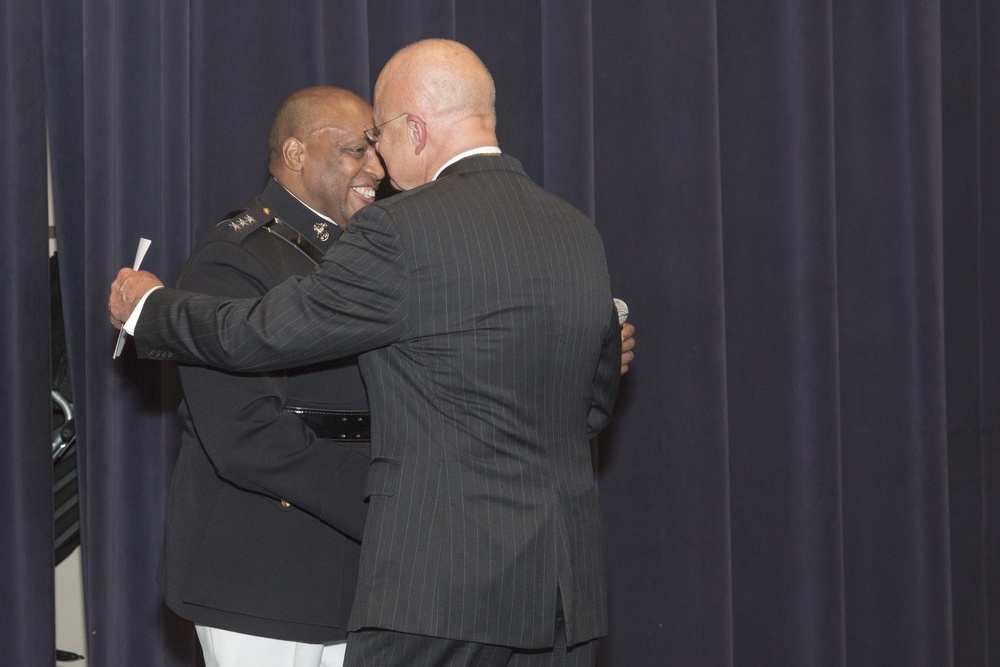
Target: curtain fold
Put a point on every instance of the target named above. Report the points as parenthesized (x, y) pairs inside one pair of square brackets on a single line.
[(798, 202), (982, 168), (567, 108), (889, 187), (659, 208), (779, 243), (27, 636), (963, 297)]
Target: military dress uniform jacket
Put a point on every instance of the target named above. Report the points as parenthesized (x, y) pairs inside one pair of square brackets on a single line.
[(249, 545), (495, 355)]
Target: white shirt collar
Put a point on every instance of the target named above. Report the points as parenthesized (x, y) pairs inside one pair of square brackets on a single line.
[(482, 150), (325, 217)]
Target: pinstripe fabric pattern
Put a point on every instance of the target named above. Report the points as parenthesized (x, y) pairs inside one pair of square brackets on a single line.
[(486, 305)]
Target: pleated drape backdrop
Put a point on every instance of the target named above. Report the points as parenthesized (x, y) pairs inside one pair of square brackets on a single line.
[(27, 561), (800, 202)]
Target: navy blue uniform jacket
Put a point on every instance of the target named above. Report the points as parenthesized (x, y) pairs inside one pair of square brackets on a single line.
[(236, 557)]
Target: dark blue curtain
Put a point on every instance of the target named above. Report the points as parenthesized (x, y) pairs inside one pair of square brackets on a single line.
[(970, 62), (27, 611), (798, 201)]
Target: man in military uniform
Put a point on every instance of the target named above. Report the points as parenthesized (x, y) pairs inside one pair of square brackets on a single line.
[(266, 503)]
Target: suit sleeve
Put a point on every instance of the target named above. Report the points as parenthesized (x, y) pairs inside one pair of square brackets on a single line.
[(240, 421), (353, 302), (606, 378)]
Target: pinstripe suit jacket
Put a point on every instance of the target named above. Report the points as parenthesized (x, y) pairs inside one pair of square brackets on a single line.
[(493, 356)]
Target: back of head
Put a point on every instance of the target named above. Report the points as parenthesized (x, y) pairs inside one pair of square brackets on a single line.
[(443, 78), (445, 85)]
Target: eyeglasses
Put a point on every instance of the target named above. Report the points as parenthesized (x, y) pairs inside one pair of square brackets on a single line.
[(373, 134)]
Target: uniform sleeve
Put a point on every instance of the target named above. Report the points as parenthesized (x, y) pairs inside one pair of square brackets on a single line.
[(240, 421)]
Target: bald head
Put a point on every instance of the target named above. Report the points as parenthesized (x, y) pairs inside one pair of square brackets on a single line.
[(311, 110), (449, 100), (441, 78), (319, 153)]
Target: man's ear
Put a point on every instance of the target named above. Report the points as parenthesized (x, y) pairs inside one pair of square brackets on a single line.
[(293, 154), (417, 130)]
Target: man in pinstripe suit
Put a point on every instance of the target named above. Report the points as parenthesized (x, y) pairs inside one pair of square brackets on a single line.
[(491, 356)]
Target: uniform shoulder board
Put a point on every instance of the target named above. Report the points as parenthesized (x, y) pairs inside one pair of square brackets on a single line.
[(246, 219)]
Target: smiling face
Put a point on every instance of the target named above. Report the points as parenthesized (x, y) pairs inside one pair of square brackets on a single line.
[(325, 160)]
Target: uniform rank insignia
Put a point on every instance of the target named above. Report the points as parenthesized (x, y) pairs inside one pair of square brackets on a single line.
[(239, 223), (321, 233)]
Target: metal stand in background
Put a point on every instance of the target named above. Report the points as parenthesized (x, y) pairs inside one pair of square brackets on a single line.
[(64, 472), (67, 507), (64, 478)]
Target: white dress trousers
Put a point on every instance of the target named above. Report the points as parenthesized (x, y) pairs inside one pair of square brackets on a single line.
[(223, 648)]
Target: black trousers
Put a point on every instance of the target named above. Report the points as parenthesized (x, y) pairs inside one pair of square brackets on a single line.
[(387, 648)]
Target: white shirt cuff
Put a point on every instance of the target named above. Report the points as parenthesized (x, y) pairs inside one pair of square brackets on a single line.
[(129, 325)]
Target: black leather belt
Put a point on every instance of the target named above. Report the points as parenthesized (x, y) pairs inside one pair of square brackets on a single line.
[(340, 425)]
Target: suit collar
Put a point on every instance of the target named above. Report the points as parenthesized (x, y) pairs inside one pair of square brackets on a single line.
[(477, 163), (482, 150)]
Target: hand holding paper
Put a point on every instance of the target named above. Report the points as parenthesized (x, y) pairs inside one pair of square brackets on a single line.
[(140, 252)]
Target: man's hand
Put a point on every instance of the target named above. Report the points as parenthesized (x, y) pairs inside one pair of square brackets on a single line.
[(628, 344), (126, 290)]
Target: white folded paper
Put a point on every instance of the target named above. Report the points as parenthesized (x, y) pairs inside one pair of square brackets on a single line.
[(140, 252)]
